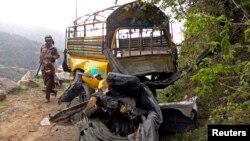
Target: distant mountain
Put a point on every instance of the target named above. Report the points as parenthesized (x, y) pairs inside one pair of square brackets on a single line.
[(18, 54), (18, 51), (34, 33)]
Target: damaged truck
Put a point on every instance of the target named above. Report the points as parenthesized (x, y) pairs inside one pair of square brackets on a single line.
[(119, 57)]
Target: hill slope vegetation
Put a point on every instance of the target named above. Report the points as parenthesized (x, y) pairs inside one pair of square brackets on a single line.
[(17, 55)]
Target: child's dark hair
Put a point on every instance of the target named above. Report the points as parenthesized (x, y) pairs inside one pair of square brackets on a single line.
[(47, 59)]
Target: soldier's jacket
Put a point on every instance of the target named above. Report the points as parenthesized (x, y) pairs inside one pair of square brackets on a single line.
[(49, 52)]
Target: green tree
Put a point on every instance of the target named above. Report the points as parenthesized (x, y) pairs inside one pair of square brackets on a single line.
[(221, 81)]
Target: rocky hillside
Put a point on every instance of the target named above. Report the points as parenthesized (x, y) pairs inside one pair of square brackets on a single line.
[(18, 51), (17, 55)]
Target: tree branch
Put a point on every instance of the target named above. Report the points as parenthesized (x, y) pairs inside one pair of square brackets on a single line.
[(241, 24), (230, 87), (181, 8), (238, 6)]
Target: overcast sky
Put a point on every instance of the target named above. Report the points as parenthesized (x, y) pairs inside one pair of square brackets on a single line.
[(53, 14)]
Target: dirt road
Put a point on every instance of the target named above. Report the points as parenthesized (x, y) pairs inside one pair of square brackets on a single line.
[(21, 114)]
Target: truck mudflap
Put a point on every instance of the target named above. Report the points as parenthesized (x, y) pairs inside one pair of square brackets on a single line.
[(74, 90)]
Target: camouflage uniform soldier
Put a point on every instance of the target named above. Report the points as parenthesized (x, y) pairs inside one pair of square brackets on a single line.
[(48, 50)]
